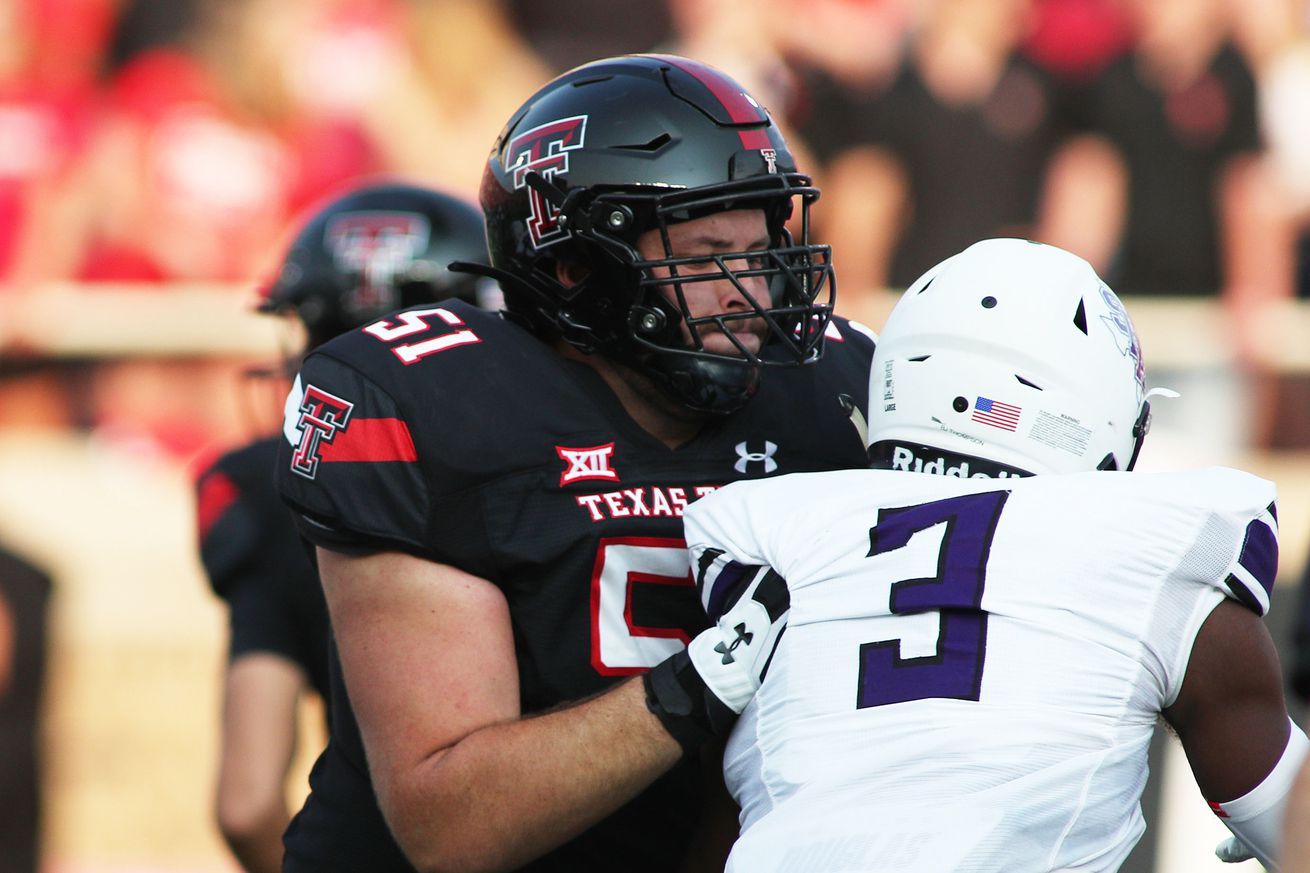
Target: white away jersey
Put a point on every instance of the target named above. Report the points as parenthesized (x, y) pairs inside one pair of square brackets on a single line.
[(972, 669)]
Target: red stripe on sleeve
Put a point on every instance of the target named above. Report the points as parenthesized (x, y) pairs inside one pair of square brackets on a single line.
[(216, 494), (371, 439)]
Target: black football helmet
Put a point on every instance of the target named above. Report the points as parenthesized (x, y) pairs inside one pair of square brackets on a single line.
[(626, 145), (376, 249)]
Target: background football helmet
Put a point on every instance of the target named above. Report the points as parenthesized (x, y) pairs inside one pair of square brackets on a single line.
[(374, 250), (625, 145), (1014, 356)]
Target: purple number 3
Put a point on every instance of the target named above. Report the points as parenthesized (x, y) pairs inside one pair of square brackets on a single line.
[(956, 591)]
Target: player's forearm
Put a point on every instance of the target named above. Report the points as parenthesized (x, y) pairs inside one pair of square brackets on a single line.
[(511, 792), (258, 845)]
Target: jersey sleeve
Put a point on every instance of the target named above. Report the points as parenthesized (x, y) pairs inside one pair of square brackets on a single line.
[(1233, 544), (1233, 555), (1251, 575), (347, 463), (725, 544), (1248, 518), (227, 526), (261, 619)]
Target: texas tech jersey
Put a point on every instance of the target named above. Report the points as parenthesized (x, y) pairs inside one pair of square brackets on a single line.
[(972, 668), (452, 434), (257, 563)]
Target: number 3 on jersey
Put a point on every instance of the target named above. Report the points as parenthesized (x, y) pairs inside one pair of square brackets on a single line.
[(955, 590), (416, 321)]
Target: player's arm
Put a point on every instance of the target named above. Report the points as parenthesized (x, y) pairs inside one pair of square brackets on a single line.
[(262, 685), (464, 780), (260, 696), (1232, 720), (465, 783)]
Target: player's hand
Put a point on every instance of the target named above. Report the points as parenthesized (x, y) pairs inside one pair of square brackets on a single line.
[(699, 692), (1233, 850), (733, 655)]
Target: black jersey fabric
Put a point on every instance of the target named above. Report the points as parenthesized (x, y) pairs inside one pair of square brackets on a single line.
[(473, 444), (256, 562), (26, 591)]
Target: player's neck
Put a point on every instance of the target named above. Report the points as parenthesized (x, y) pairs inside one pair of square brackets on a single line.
[(648, 406)]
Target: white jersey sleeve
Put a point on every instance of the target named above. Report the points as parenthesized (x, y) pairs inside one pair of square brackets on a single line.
[(728, 539), (972, 669)]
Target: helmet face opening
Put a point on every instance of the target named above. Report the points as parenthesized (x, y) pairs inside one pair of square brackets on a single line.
[(790, 312), (619, 153)]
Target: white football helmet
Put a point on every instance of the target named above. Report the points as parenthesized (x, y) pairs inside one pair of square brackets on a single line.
[(1009, 358)]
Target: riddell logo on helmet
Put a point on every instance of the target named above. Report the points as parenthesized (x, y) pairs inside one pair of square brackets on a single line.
[(545, 150), (905, 459)]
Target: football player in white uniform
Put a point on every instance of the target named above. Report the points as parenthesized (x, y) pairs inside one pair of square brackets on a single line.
[(984, 628)]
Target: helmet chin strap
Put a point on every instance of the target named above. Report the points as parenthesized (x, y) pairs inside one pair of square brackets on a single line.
[(1143, 424), (713, 386)]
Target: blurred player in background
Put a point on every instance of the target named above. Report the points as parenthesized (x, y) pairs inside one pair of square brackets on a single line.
[(984, 629), (24, 596), (496, 501), (375, 249)]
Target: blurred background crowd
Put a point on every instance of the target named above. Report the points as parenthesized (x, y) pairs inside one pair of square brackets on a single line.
[(166, 141), (156, 146)]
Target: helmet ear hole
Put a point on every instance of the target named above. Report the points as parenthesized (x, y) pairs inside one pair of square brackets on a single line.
[(571, 272)]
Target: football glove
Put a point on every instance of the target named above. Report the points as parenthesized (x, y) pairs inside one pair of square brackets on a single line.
[(699, 692)]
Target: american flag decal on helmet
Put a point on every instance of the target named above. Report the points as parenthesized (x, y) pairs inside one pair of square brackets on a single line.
[(994, 413)]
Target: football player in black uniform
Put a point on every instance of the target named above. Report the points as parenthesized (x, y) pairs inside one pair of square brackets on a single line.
[(496, 501), (375, 249)]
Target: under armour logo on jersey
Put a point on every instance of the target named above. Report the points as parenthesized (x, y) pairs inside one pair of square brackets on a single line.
[(322, 416), (743, 637), (589, 463), (745, 457)]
